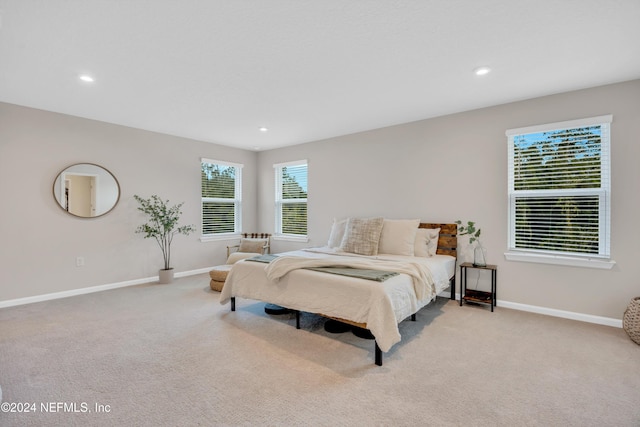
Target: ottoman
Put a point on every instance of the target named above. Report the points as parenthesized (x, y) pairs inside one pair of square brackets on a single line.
[(218, 276)]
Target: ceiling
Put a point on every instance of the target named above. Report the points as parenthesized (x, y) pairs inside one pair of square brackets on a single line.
[(307, 70)]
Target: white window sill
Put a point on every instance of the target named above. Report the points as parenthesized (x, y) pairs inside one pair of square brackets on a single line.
[(560, 260), (290, 238), (219, 237)]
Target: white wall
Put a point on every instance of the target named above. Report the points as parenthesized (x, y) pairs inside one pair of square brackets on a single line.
[(455, 167), (40, 242)]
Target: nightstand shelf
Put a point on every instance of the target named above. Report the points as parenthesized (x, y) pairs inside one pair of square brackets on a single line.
[(474, 296)]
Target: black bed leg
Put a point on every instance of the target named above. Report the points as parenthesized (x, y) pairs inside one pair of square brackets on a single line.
[(233, 303), (413, 317), (452, 288), (297, 319), (378, 355)]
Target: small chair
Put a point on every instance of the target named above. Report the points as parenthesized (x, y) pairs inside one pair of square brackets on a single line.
[(251, 244)]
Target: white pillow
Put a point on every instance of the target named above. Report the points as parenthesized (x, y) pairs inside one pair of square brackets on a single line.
[(426, 242), (421, 242), (337, 232), (432, 245), (362, 235), (398, 236)]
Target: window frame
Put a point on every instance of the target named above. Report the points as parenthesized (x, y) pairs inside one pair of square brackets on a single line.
[(603, 193), (237, 202), (279, 202)]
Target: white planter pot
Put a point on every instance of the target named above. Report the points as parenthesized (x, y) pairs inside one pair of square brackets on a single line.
[(165, 276)]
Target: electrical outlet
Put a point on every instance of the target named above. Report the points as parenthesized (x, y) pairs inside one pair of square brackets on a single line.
[(79, 261)]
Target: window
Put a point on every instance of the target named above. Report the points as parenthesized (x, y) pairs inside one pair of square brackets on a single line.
[(221, 198), (291, 199), (559, 191)]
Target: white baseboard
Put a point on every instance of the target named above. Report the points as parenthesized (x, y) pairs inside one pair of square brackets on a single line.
[(607, 321), (92, 289)]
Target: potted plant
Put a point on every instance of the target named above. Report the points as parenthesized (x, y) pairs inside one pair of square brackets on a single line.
[(162, 225), (474, 236)]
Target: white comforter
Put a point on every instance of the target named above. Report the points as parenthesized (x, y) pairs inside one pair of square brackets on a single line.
[(381, 305)]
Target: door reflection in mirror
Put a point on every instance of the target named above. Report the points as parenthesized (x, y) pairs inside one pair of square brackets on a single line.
[(86, 190)]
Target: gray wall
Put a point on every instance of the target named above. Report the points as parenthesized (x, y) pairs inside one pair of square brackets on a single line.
[(455, 167), (439, 170), (41, 241)]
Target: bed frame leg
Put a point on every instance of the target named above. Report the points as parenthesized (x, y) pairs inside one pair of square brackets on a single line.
[(413, 317), (378, 355), (233, 303), (452, 288), (297, 319)]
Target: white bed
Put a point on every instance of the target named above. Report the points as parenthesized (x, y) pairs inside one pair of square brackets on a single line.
[(375, 305)]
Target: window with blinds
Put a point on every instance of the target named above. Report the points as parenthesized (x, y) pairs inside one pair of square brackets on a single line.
[(291, 198), (559, 188), (221, 197)]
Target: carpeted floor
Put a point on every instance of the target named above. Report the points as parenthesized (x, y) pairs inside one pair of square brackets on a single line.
[(154, 355)]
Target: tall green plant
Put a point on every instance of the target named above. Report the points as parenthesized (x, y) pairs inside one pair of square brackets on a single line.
[(162, 224)]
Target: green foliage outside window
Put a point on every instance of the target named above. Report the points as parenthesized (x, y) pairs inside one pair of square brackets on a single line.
[(218, 182), (549, 163), (294, 214)]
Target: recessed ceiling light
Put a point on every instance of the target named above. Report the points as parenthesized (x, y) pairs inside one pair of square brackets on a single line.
[(263, 129), (86, 78), (481, 71)]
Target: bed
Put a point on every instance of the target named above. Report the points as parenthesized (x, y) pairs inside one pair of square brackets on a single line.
[(303, 281)]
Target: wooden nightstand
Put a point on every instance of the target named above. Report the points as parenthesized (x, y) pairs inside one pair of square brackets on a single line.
[(471, 295)]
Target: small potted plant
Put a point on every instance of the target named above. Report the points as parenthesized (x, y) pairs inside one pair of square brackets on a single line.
[(162, 225), (474, 236)]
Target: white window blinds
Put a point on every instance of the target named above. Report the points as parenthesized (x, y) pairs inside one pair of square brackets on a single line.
[(221, 197), (291, 198), (559, 188)]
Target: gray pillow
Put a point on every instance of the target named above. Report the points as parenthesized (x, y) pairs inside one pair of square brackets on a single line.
[(362, 236)]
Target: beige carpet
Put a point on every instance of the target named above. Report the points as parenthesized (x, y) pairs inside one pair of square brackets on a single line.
[(171, 355)]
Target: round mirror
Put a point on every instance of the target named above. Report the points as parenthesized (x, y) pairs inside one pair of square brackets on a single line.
[(86, 190)]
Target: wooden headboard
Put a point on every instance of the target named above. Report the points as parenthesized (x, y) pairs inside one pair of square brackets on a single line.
[(448, 241)]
